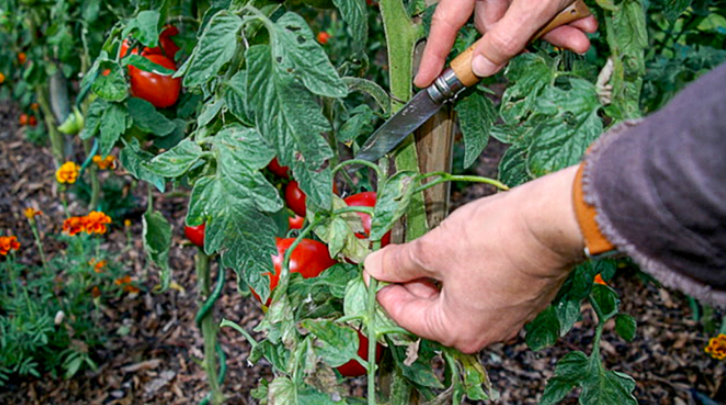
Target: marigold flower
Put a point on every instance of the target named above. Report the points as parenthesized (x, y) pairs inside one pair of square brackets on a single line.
[(98, 265), (131, 289), (717, 347), (74, 225), (68, 173), (96, 222), (2, 78), (127, 222), (125, 281), (31, 213), (599, 280), (8, 243), (104, 164)]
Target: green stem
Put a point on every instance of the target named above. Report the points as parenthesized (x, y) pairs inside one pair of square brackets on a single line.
[(38, 242), (56, 138), (10, 264), (370, 323), (238, 328), (444, 177), (95, 184), (358, 162), (209, 329)]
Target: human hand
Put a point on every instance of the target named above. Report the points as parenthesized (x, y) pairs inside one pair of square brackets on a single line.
[(500, 260), (507, 26)]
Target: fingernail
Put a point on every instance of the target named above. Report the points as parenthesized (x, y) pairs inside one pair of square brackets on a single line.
[(483, 67)]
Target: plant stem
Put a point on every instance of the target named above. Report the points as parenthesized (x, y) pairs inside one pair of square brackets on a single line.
[(56, 138), (38, 242), (371, 307), (209, 328), (444, 177), (95, 184)]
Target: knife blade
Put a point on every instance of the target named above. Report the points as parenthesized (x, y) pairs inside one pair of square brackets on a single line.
[(445, 88)]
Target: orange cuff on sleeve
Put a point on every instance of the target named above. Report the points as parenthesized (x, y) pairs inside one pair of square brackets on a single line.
[(595, 242)]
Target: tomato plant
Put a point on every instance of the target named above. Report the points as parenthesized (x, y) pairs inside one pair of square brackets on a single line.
[(366, 199), (323, 37), (295, 198), (353, 368), (23, 120), (195, 234), (160, 90), (281, 171), (295, 222)]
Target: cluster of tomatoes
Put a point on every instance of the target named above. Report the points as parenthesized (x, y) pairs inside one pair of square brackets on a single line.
[(310, 257), (160, 90), (29, 119)]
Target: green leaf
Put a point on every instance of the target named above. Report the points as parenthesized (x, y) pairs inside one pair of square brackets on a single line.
[(626, 326), (295, 51), (145, 28), (111, 87), (476, 117), (114, 122), (235, 97), (317, 186), (157, 241), (143, 63), (282, 391), (147, 119), (544, 330), (176, 161), (209, 112), (570, 370), (513, 166), (337, 343), (355, 14), (356, 297), (529, 74), (605, 301), (339, 233), (133, 158), (372, 89), (568, 312), (93, 118), (334, 280), (391, 203), (602, 387), (360, 123), (216, 48)]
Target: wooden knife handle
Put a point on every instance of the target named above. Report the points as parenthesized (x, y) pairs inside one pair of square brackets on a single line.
[(462, 64)]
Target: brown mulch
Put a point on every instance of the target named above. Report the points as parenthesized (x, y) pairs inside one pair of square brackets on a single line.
[(155, 359)]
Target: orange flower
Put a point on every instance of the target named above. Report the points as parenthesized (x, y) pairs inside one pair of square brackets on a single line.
[(125, 281), (599, 280), (98, 265), (717, 347), (96, 222), (34, 106), (131, 289), (74, 225), (96, 292), (22, 57), (31, 213), (2, 78), (68, 173), (127, 222), (8, 243), (104, 164)]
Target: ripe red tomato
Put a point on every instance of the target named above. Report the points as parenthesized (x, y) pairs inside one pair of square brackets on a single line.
[(295, 222), (353, 368), (169, 47), (23, 120), (32, 121), (22, 57), (161, 91), (281, 171), (366, 199), (195, 234), (323, 37), (295, 198), (310, 258), (124, 50)]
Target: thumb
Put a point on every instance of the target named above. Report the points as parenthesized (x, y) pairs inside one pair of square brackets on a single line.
[(510, 35), (397, 263), (419, 315)]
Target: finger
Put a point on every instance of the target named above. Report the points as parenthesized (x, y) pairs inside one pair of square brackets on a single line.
[(397, 263), (569, 38), (420, 316), (488, 13), (510, 35), (449, 17), (423, 288), (588, 24)]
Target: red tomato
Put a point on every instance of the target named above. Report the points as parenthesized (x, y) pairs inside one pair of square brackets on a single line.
[(353, 368), (195, 234), (281, 171), (169, 47), (323, 37), (32, 121), (310, 258), (161, 91), (23, 120), (366, 199), (22, 57), (295, 197), (124, 50), (296, 222)]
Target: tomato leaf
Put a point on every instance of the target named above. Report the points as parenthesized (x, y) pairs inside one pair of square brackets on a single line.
[(215, 49), (605, 301), (601, 386), (355, 14), (359, 123), (337, 343), (146, 65), (157, 241), (625, 326), (476, 117), (335, 280), (235, 97), (339, 233), (391, 202), (544, 330), (210, 111), (176, 161), (114, 122), (93, 118), (372, 89), (112, 86), (568, 312), (570, 370), (529, 74), (145, 28), (133, 158), (513, 166), (148, 119), (295, 50)]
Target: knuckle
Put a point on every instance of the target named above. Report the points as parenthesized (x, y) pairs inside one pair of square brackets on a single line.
[(504, 44)]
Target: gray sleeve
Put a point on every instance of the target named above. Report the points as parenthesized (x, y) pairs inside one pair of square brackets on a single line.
[(659, 187)]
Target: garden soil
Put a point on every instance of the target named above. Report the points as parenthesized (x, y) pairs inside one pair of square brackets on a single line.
[(154, 350)]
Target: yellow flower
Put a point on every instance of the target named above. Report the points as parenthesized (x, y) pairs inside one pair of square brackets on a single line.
[(717, 347), (68, 173), (2, 78), (96, 222), (31, 213), (8, 243), (104, 164), (127, 222)]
